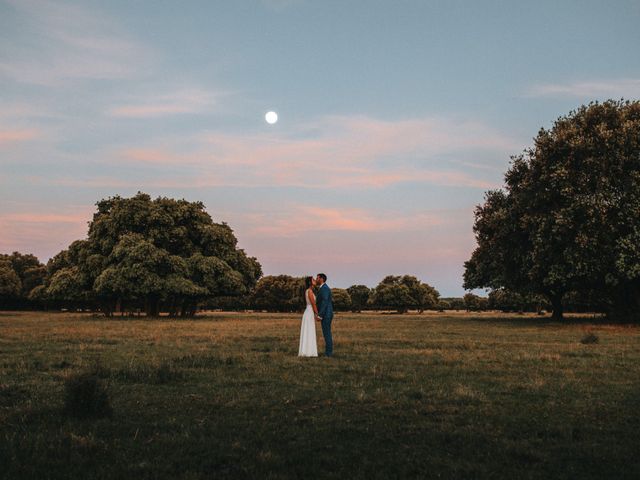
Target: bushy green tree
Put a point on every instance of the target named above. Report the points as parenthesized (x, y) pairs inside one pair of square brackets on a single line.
[(568, 219), (69, 279), (152, 254), (474, 303), (509, 301), (402, 293), (10, 284), (341, 299), (359, 297), (279, 293), (453, 303), (29, 269), (30, 273)]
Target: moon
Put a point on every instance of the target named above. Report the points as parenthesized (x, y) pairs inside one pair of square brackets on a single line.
[(271, 117)]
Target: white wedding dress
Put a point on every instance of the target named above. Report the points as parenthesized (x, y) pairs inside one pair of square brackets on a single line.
[(308, 344)]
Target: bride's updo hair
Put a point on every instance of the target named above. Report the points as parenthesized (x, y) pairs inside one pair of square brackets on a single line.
[(307, 282)]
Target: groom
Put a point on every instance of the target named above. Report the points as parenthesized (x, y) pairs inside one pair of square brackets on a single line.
[(325, 311)]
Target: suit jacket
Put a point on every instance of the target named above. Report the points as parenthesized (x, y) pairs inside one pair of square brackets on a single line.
[(324, 301)]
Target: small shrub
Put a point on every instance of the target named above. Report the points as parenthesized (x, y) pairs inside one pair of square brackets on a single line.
[(589, 338), (86, 396)]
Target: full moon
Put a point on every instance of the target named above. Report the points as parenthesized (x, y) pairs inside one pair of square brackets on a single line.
[(271, 117)]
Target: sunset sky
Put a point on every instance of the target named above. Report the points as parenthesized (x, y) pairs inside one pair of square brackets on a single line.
[(394, 118)]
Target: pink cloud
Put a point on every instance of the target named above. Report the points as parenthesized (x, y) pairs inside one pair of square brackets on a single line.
[(42, 218), (17, 135), (300, 219), (432, 244), (185, 101), (42, 233), (334, 152)]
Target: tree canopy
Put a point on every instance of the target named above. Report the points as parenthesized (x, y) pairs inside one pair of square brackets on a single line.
[(151, 253), (568, 218), (359, 297), (402, 293), (20, 274), (341, 299), (279, 293)]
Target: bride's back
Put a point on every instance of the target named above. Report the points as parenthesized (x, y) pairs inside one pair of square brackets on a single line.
[(306, 297)]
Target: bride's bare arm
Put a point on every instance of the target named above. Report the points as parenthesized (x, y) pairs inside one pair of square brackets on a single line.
[(312, 299)]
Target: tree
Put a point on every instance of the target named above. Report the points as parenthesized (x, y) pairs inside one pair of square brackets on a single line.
[(359, 297), (509, 301), (139, 271), (67, 286), (472, 303), (280, 293), (452, 303), (10, 285), (30, 272), (151, 254), (341, 299), (29, 269), (401, 293), (567, 220)]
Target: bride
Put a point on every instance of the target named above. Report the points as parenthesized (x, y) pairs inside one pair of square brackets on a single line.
[(308, 345)]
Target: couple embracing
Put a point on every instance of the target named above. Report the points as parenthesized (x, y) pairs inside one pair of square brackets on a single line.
[(319, 308)]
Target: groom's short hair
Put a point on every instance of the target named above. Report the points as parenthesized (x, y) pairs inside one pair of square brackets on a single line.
[(323, 277)]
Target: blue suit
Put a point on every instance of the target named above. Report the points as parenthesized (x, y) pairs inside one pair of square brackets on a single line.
[(324, 300)]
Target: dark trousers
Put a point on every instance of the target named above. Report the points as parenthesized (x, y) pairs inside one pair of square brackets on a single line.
[(326, 333)]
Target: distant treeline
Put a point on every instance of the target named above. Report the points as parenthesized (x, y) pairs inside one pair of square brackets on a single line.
[(25, 283)]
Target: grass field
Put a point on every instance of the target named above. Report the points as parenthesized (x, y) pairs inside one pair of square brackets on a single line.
[(413, 396)]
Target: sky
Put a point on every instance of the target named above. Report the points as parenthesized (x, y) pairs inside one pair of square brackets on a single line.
[(395, 118)]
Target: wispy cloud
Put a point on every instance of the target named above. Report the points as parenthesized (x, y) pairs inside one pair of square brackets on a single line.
[(621, 88), (180, 102), (17, 135), (68, 41), (333, 152), (41, 232), (306, 218)]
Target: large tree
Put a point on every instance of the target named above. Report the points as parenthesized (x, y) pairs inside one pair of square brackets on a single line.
[(10, 284), (474, 303), (28, 271), (151, 254), (279, 293), (359, 297), (402, 293), (568, 219), (341, 299)]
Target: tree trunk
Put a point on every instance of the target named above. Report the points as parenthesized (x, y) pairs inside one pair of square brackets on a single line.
[(625, 306), (172, 307), (107, 308), (556, 305), (152, 307)]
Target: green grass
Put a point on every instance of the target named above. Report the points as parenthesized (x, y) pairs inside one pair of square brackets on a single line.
[(414, 396)]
